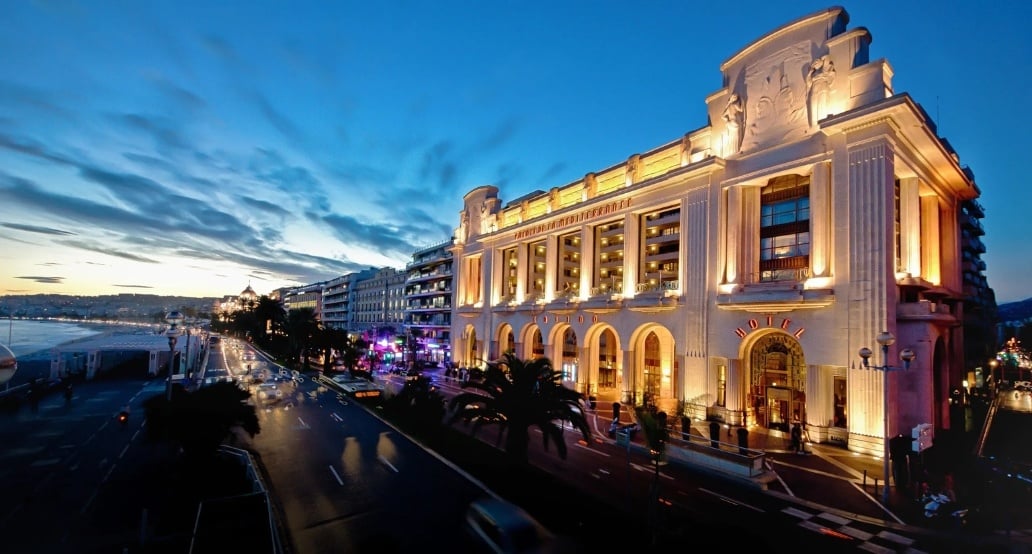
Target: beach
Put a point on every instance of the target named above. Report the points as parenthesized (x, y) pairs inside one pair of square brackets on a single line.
[(46, 335)]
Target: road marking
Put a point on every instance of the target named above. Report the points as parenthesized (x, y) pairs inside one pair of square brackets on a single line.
[(108, 474), (302, 424), (388, 464), (122, 453), (336, 476), (650, 470), (876, 548), (336, 417), (839, 520), (797, 513), (602, 471), (898, 539), (592, 450), (46, 462), (733, 501), (856, 533)]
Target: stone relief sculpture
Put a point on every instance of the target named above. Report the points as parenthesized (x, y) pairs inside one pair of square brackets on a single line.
[(818, 88), (462, 235), (686, 150), (733, 119), (632, 170)]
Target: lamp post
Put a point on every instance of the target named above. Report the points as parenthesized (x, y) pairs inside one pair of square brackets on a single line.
[(993, 363), (885, 339), (173, 318)]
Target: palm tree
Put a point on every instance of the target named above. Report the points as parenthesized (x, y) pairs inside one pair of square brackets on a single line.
[(200, 421), (302, 328), (269, 317), (516, 394)]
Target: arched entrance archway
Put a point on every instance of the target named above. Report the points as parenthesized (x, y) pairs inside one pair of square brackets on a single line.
[(608, 349), (654, 368), (506, 340), (472, 351), (777, 380), (566, 354)]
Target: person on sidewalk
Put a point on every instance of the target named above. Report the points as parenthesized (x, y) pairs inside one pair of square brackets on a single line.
[(797, 438)]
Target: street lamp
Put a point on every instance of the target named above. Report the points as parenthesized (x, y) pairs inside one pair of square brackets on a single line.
[(993, 363), (886, 339), (173, 318)]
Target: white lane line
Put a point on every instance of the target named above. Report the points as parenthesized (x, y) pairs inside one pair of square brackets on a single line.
[(108, 474), (733, 501), (46, 462), (855, 533), (649, 470), (135, 435), (86, 506), (590, 449), (388, 464), (336, 476), (302, 423), (898, 539), (122, 453), (336, 417)]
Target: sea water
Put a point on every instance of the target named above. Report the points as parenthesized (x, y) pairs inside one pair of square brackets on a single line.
[(31, 336)]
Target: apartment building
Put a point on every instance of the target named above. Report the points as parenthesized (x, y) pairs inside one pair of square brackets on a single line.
[(428, 302)]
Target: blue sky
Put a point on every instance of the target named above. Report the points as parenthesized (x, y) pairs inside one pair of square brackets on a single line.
[(192, 148)]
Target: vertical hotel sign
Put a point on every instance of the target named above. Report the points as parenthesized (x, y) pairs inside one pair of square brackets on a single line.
[(784, 325), (573, 219)]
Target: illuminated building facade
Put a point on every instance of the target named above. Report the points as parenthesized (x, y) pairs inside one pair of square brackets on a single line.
[(736, 271), (428, 301)]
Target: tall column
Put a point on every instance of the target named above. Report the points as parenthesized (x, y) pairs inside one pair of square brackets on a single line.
[(696, 285), (737, 385), (931, 259), (631, 252), (522, 263), (910, 227), (587, 257), (872, 287), (749, 235), (820, 220), (551, 264), (733, 235)]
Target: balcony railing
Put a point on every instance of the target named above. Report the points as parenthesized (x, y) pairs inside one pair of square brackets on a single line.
[(669, 285)]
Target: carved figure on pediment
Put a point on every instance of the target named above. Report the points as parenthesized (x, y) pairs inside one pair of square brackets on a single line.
[(463, 233), (686, 150), (787, 105), (733, 117), (818, 87)]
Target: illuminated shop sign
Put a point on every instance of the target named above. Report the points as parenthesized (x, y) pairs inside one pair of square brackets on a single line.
[(785, 323), (573, 219)]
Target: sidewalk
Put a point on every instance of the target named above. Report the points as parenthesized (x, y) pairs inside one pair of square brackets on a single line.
[(834, 479)]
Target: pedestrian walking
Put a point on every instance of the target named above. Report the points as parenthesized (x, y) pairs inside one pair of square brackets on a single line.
[(797, 438)]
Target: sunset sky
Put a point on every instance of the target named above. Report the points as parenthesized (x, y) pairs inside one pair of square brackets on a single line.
[(193, 148)]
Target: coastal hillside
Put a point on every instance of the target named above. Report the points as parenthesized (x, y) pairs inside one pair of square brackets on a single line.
[(1015, 311)]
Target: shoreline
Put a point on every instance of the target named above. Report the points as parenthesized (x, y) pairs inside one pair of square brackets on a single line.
[(112, 330), (36, 365)]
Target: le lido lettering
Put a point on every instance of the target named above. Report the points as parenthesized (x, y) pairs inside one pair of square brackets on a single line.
[(754, 324)]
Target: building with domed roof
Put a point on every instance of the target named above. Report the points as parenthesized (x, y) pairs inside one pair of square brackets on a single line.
[(229, 304)]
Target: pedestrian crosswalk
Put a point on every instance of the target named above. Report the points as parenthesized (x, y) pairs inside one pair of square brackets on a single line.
[(869, 537)]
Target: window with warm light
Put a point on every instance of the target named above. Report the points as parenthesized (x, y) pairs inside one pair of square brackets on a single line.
[(609, 257), (785, 228), (660, 247), (567, 280)]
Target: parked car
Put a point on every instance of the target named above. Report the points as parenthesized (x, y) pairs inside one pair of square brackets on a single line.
[(503, 528)]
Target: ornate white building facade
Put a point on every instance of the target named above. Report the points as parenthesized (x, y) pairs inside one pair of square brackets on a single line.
[(739, 269)]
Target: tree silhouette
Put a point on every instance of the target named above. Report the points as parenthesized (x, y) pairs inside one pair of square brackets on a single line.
[(517, 394)]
